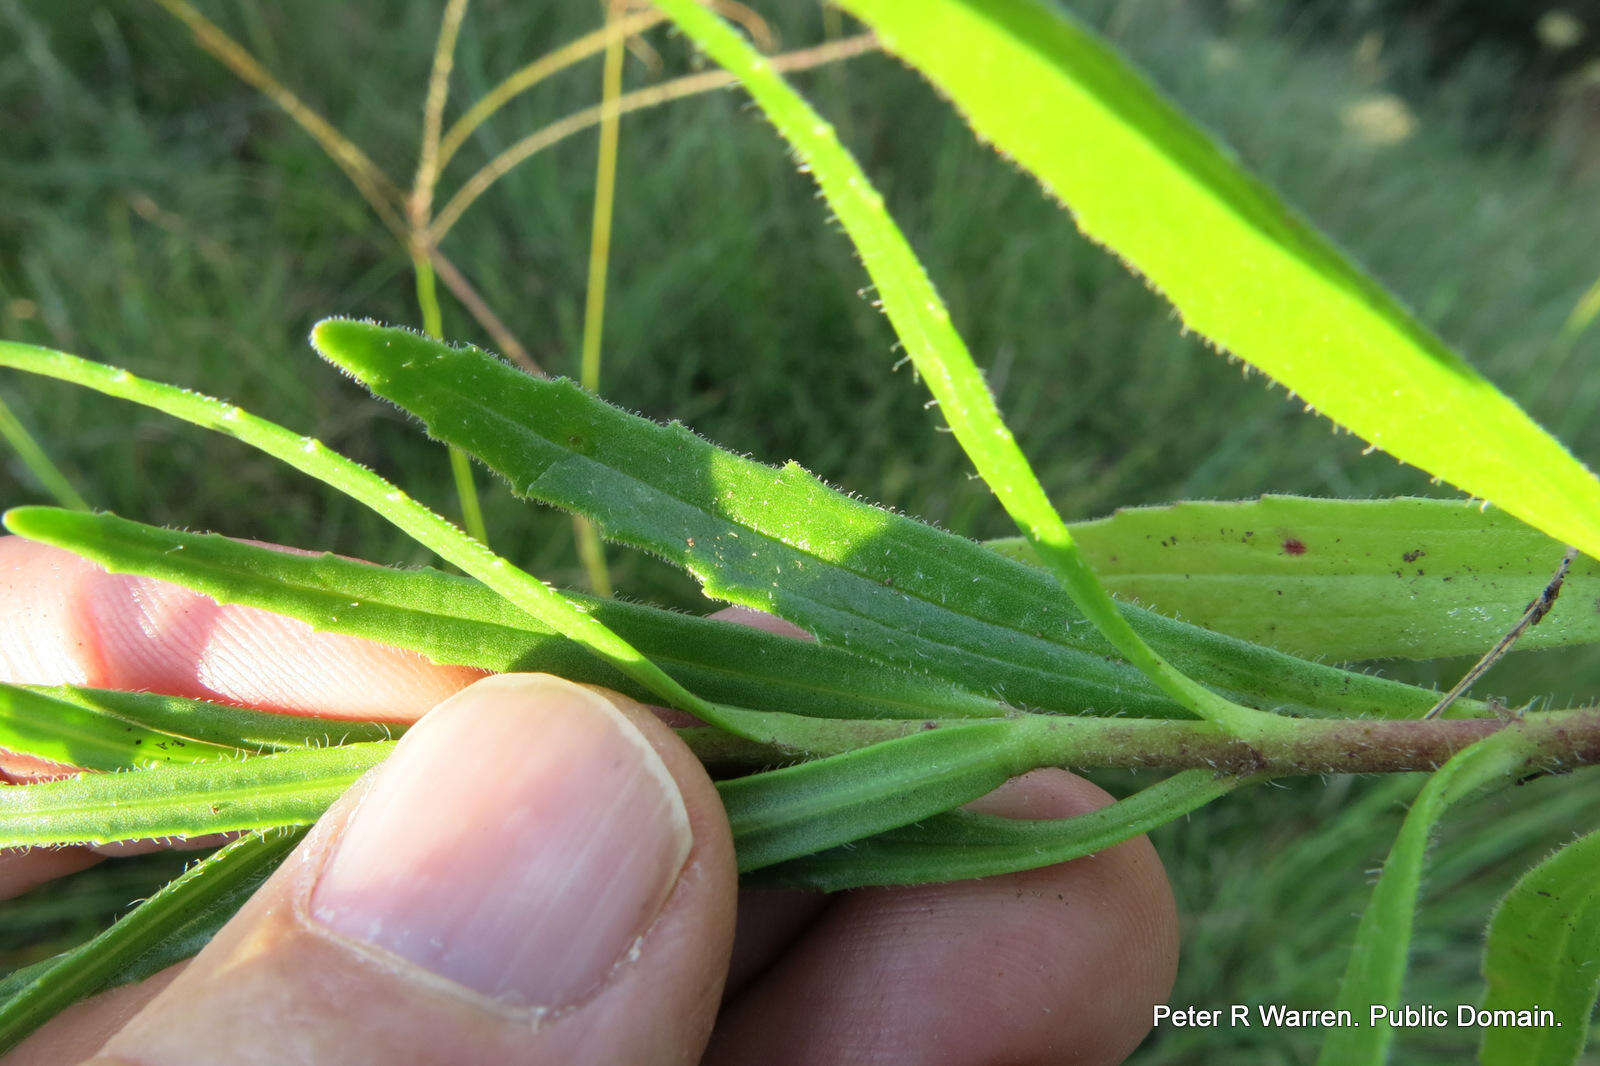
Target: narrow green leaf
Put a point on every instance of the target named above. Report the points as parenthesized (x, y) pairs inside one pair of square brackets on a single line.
[(170, 926), (962, 844), (786, 813), (775, 815), (453, 619), (186, 799), (1377, 964), (1241, 267), (311, 456), (1342, 579), (922, 321), (1543, 952), (102, 729), (857, 576), (49, 476)]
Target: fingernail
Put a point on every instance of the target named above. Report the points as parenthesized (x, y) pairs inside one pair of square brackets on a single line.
[(519, 841)]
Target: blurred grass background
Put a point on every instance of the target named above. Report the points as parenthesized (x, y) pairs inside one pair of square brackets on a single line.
[(160, 215)]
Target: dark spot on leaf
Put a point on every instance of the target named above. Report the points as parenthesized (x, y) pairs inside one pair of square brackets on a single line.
[(1413, 556), (1294, 546)]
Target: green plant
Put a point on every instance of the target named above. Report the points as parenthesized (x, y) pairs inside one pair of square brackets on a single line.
[(1010, 663)]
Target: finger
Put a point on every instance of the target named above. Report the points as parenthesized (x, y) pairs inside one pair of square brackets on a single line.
[(64, 620), (541, 873), (749, 616), (22, 869), (81, 1029), (769, 921), (1057, 965)]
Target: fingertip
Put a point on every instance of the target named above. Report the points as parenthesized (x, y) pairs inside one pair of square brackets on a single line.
[(539, 873)]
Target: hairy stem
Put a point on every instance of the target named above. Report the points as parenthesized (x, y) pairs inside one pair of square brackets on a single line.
[(1562, 740), (375, 187)]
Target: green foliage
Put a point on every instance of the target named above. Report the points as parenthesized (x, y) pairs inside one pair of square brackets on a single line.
[(963, 844), (1341, 579), (185, 799), (310, 456), (169, 927), (1383, 939), (455, 619), (104, 729), (881, 584), (922, 321), (962, 628), (786, 813), (1542, 952), (38, 463), (1239, 266)]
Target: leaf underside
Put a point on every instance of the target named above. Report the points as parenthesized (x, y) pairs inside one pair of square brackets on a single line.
[(1543, 951), (1242, 268), (1342, 579)]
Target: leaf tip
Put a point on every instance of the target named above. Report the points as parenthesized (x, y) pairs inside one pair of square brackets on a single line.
[(332, 337), (25, 521)]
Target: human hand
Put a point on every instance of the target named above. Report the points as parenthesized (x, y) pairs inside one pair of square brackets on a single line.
[(543, 873)]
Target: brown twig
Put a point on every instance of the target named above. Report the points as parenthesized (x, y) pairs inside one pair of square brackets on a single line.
[(1553, 742), (531, 74), (381, 193), (1531, 617), (1556, 740), (640, 99), (420, 206), (376, 187)]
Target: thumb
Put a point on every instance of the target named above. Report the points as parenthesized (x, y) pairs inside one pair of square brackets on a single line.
[(541, 872)]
